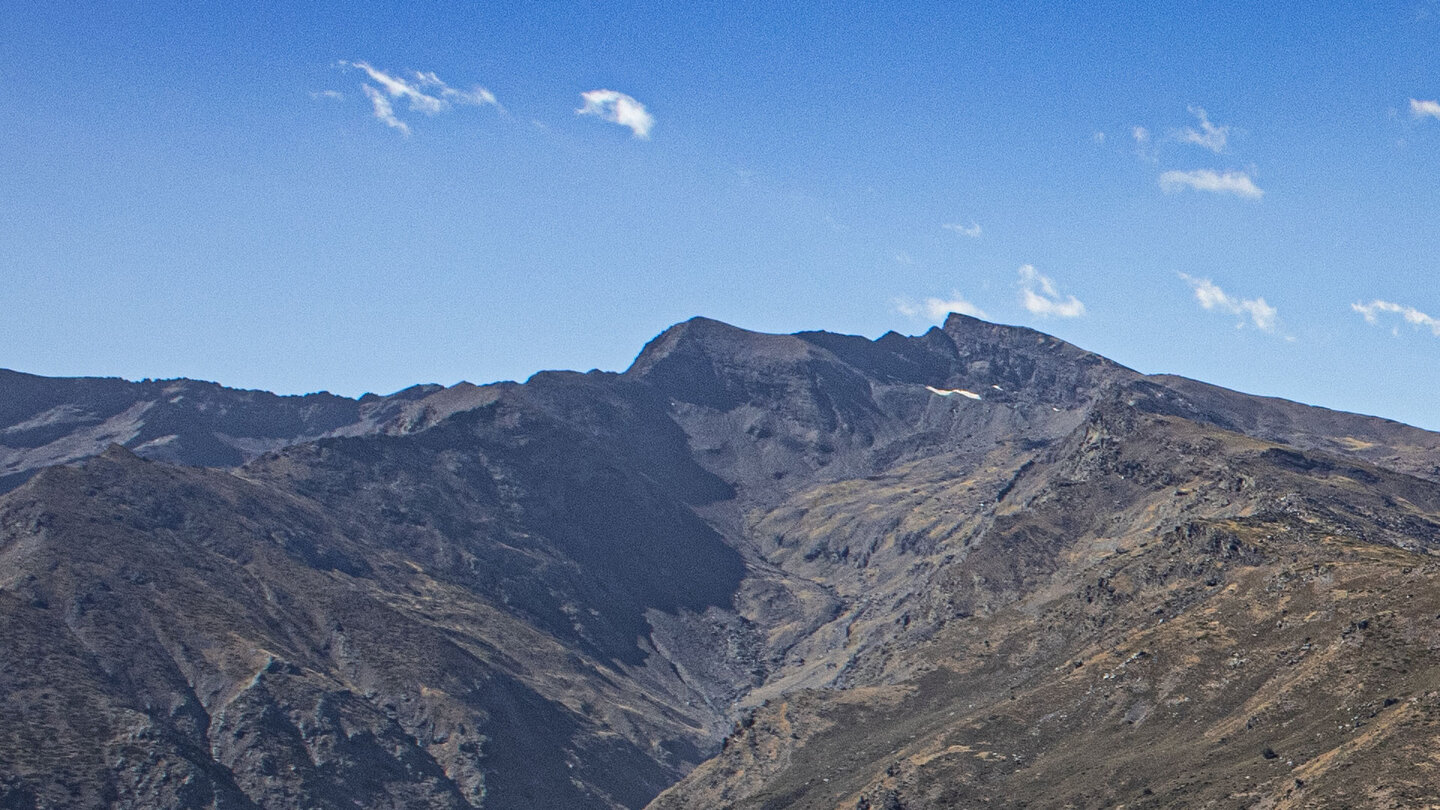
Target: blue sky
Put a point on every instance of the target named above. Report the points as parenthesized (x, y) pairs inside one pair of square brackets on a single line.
[(1244, 196)]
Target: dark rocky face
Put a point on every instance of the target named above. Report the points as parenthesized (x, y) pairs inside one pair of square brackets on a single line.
[(975, 567)]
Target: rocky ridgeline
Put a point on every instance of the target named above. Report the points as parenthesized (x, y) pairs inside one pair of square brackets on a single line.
[(976, 566)]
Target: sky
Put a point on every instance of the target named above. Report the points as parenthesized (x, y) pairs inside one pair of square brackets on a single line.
[(360, 196)]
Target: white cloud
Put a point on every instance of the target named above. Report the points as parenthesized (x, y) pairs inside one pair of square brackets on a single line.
[(383, 109), (334, 95), (1209, 136), (936, 309), (618, 108), (1040, 297), (1144, 145), (477, 96), (1237, 183), (1412, 316), (972, 230), (1097, 137), (425, 92), (397, 87), (1211, 297), (1420, 109)]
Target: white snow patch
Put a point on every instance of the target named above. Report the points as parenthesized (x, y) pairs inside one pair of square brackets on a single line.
[(156, 443), (946, 392)]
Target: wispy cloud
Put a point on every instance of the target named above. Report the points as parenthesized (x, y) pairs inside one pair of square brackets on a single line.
[(618, 108), (1421, 109), (1039, 296), (384, 110), (1144, 145), (333, 95), (477, 95), (934, 309), (1411, 315), (972, 230), (1231, 182), (1211, 297), (1209, 136), (424, 91)]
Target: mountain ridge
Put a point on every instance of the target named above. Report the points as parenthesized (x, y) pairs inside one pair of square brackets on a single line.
[(693, 581)]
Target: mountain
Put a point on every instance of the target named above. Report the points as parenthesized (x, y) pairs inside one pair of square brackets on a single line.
[(46, 421), (979, 566)]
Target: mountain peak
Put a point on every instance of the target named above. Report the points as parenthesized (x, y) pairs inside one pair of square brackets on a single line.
[(118, 452), (710, 337), (636, 565)]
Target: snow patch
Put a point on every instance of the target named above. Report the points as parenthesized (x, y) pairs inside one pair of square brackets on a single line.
[(946, 392)]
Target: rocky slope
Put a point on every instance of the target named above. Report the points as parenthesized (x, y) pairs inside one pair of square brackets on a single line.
[(975, 567), (1156, 614)]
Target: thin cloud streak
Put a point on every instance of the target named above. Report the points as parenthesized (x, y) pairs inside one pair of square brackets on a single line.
[(1237, 183), (618, 108), (935, 309), (1211, 297), (478, 96), (384, 110), (1039, 296), (972, 230), (1411, 315)]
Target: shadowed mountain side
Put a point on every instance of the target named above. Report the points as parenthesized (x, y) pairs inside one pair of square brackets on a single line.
[(234, 644), (532, 513)]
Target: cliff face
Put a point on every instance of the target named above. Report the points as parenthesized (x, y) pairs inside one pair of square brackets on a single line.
[(978, 566)]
